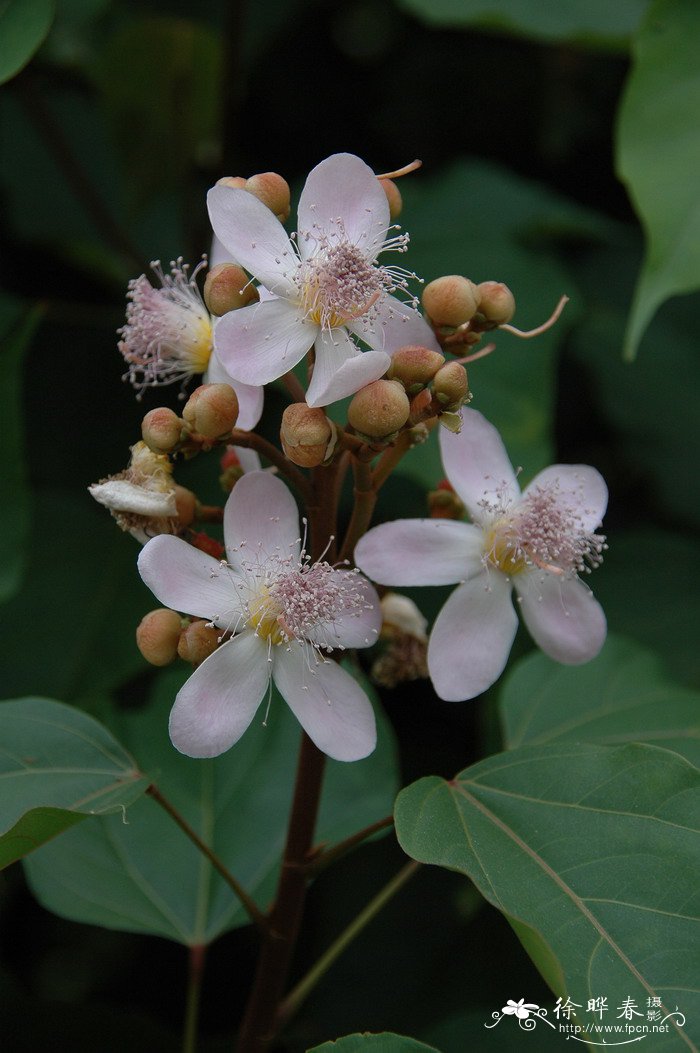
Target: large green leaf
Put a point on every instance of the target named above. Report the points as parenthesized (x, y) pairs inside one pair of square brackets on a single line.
[(23, 26), (57, 766), (17, 325), (592, 852), (658, 156), (146, 877), (483, 222), (588, 22), (621, 696), (386, 1042)]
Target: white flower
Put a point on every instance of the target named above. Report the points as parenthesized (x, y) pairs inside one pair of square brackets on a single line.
[(521, 1008), (325, 285), (536, 542), (283, 612), (169, 336)]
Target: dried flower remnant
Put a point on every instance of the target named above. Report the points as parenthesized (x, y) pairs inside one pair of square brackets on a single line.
[(144, 497), (405, 640)]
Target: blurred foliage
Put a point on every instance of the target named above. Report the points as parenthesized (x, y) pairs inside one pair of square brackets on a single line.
[(109, 138)]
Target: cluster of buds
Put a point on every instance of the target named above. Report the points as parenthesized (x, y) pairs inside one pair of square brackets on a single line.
[(460, 311), (269, 188), (162, 636), (208, 417)]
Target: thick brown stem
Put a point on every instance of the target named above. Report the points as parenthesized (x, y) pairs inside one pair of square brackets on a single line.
[(365, 500)]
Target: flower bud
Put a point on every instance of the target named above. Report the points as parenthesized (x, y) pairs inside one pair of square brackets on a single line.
[(161, 429), (305, 435), (186, 505), (414, 367), (444, 502), (201, 540), (421, 408), (450, 385), (235, 182), (157, 636), (451, 300), (227, 287), (497, 303), (198, 641), (393, 196), (211, 410), (273, 191), (379, 410), (231, 469)]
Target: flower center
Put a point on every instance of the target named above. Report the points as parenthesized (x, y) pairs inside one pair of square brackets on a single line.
[(339, 283), (543, 530), (168, 333)]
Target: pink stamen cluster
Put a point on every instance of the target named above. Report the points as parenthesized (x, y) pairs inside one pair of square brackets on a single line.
[(168, 334), (542, 530)]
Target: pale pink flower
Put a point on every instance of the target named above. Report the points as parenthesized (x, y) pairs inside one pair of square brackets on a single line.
[(169, 338), (284, 614), (537, 542), (325, 285)]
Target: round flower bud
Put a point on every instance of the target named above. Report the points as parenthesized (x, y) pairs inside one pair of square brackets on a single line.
[(305, 435), (161, 429), (450, 385), (273, 191), (226, 287), (393, 196), (198, 641), (379, 410), (414, 367), (157, 636), (211, 410), (235, 182), (421, 408), (497, 303), (451, 300), (186, 505)]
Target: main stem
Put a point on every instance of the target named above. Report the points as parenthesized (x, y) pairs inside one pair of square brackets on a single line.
[(278, 942)]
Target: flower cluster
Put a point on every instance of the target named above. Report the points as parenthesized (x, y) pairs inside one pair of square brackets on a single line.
[(266, 611)]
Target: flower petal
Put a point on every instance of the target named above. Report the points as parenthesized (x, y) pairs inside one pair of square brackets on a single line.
[(120, 495), (476, 463), (261, 520), (218, 702), (249, 459), (583, 487), (187, 580), (392, 325), (562, 616), (472, 637), (342, 195), (259, 343), (218, 254), (329, 704), (420, 552), (254, 237), (341, 368), (250, 397), (355, 625)]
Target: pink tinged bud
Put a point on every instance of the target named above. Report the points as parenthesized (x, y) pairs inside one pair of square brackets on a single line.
[(211, 410), (496, 303), (157, 636), (450, 386), (414, 367), (393, 196), (198, 641), (306, 435), (235, 182), (161, 430), (273, 191), (421, 408), (379, 410), (228, 287), (444, 502), (186, 505), (450, 301)]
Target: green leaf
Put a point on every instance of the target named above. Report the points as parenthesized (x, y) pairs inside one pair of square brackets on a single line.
[(481, 221), (17, 326), (595, 849), (658, 156), (386, 1042), (83, 582), (23, 26), (145, 876), (57, 766), (621, 696), (587, 22)]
